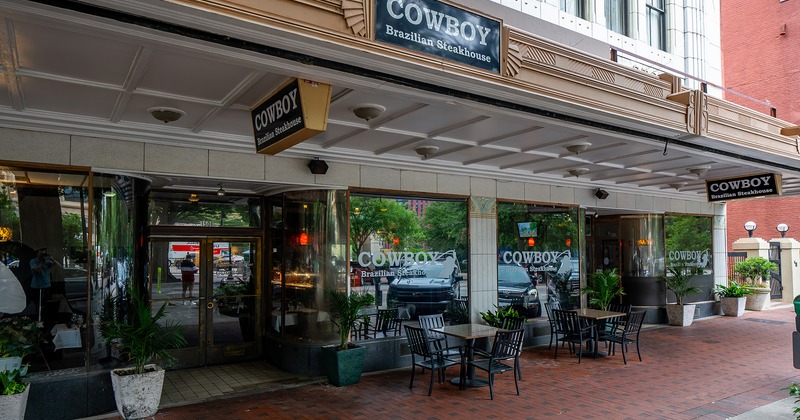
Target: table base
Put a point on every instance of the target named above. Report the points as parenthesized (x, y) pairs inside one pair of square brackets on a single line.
[(471, 383)]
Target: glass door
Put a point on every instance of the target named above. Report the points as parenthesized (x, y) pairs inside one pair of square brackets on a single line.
[(210, 288)]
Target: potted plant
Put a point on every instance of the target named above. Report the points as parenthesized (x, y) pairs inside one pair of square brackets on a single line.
[(142, 337), (678, 280), (498, 319), (755, 270), (732, 298), (19, 336), (344, 362), (603, 287)]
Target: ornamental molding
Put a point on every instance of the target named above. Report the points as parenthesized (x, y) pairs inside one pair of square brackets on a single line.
[(355, 16)]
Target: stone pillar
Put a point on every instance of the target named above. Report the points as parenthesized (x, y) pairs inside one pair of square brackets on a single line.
[(755, 247), (482, 255), (790, 272)]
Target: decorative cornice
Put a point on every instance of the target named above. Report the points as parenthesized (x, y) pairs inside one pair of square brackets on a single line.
[(484, 207), (356, 17), (513, 59)]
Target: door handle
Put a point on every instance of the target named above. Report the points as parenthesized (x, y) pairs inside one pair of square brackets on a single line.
[(210, 305)]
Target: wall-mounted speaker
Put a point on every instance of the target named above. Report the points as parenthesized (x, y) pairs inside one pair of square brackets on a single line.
[(601, 194)]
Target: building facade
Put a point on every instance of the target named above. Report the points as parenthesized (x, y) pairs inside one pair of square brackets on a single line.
[(274, 144)]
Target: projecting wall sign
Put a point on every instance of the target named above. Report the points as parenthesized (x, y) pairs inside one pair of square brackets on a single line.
[(296, 111), (743, 187)]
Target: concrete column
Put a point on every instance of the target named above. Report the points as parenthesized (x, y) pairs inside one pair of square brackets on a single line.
[(482, 255), (755, 247), (790, 272)]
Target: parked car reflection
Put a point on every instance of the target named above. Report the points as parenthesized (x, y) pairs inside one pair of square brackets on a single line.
[(514, 287)]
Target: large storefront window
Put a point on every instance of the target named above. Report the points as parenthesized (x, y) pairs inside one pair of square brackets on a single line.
[(46, 217), (308, 240), (411, 253), (688, 248), (538, 259)]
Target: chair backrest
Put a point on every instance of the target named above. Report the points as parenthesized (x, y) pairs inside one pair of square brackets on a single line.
[(567, 321), (427, 322), (634, 323), (418, 342), (507, 343), (549, 307), (618, 307), (513, 323), (384, 319)]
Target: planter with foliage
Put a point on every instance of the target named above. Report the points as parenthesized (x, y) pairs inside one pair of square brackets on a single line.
[(498, 319), (344, 362), (732, 298), (678, 280), (756, 270), (602, 288), (142, 337), (19, 337)]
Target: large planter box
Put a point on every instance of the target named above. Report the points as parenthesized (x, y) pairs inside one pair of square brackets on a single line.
[(137, 395), (733, 306), (680, 315), (343, 367), (13, 406), (758, 300)]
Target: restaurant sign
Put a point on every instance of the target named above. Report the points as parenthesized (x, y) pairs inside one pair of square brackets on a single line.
[(296, 111), (743, 187), (438, 29)]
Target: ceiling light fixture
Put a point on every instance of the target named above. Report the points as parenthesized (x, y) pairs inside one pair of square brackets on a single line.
[(699, 170), (368, 111), (220, 191), (193, 198), (426, 151), (576, 172), (677, 185), (166, 114), (578, 147)]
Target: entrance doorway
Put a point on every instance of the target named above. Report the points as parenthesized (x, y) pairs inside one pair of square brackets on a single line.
[(210, 287)]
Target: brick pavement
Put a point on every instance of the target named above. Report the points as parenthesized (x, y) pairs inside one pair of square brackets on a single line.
[(717, 368)]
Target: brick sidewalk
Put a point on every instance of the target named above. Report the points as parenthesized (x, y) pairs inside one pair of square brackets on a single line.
[(717, 368)]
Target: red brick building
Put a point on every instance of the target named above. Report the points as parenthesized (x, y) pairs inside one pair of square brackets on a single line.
[(760, 60)]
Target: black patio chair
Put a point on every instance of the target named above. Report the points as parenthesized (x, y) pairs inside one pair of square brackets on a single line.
[(426, 356), (505, 348), (554, 331), (611, 325), (576, 331), (629, 334)]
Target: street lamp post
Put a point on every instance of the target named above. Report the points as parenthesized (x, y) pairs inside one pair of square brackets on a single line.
[(782, 228), (750, 227)]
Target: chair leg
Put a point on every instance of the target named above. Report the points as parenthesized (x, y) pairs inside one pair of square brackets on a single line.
[(637, 349), (430, 386), (491, 383), (516, 384), (624, 349)]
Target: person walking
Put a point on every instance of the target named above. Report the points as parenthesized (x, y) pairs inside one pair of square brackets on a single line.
[(188, 270)]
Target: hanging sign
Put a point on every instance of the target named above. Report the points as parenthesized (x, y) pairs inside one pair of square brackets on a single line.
[(438, 29), (743, 187), (296, 111)]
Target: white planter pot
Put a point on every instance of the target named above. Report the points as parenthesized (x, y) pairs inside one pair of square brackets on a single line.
[(13, 406), (680, 315), (758, 300), (732, 306), (137, 395)]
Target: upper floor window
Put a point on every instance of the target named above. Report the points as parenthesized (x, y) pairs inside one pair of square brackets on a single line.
[(657, 24), (617, 16), (579, 8)]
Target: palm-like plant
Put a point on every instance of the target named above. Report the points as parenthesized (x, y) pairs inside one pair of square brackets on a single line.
[(603, 287), (678, 281), (141, 335), (344, 312)]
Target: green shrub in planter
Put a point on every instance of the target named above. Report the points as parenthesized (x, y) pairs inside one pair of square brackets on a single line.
[(734, 290)]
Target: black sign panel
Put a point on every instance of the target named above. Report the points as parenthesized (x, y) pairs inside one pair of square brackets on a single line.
[(743, 187), (278, 117), (441, 30)]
